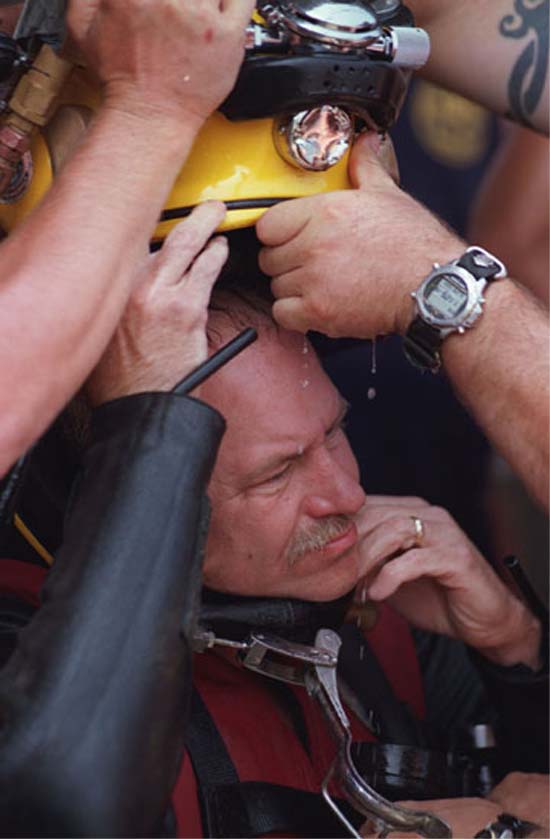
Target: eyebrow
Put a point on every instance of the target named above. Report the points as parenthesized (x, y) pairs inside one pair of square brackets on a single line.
[(278, 461)]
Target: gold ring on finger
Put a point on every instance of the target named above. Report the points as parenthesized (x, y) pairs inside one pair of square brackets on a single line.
[(419, 531)]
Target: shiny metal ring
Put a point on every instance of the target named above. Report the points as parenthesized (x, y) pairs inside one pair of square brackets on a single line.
[(419, 531)]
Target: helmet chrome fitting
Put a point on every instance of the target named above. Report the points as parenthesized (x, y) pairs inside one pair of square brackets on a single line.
[(315, 73), (304, 56)]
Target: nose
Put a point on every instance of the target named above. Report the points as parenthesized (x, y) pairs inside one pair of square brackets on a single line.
[(335, 488)]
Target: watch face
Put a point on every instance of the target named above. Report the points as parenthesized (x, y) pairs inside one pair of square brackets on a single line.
[(445, 297)]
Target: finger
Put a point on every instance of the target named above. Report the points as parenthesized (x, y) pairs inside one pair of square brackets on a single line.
[(386, 540), (410, 566), (404, 501), (288, 285), (284, 221), (289, 313), (365, 166), (282, 259), (369, 518), (186, 241), (206, 269), (388, 159)]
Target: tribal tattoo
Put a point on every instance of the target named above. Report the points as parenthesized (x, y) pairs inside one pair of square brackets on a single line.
[(528, 78)]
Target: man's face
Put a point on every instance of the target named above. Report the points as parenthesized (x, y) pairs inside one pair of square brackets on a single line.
[(285, 484)]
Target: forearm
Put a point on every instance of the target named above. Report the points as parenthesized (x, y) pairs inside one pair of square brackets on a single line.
[(75, 259), (95, 696), (495, 53), (500, 369)]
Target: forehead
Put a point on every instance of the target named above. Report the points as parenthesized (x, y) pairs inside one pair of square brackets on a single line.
[(274, 397)]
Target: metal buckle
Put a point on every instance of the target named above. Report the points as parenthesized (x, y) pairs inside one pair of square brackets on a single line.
[(314, 667), (485, 259)]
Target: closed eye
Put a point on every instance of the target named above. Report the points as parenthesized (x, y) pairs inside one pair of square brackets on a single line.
[(278, 476), (334, 434)]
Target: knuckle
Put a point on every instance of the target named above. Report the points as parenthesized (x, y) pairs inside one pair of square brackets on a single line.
[(317, 306)]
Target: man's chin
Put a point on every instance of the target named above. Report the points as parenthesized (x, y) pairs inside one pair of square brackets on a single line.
[(324, 581)]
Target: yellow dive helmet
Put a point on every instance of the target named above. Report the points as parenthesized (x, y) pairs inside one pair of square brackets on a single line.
[(315, 73)]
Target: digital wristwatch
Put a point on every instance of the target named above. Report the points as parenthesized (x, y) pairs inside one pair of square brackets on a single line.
[(449, 300)]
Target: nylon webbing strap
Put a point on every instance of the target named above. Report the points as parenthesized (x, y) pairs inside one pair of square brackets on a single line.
[(214, 770), (230, 808), (371, 686)]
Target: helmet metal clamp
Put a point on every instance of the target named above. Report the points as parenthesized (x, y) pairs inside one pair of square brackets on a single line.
[(308, 35)]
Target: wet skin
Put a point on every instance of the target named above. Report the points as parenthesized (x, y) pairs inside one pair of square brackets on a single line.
[(285, 471)]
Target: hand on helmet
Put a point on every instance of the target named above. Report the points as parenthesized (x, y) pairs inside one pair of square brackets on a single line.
[(163, 57), (415, 555), (344, 263), (162, 335)]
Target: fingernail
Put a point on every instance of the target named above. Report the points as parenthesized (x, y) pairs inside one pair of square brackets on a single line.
[(220, 240), (373, 140), (219, 205)]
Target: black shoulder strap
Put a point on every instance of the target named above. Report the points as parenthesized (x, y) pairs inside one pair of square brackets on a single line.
[(361, 671), (214, 770), (230, 808)]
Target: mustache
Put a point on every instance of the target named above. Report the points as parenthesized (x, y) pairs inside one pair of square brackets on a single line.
[(316, 537)]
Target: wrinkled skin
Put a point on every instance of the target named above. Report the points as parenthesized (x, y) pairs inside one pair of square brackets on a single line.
[(164, 63)]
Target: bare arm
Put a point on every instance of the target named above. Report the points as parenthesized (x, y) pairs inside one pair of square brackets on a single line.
[(68, 271), (501, 372), (499, 368), (492, 51)]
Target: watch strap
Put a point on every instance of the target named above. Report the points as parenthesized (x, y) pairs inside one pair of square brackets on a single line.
[(480, 264), (506, 826), (421, 345)]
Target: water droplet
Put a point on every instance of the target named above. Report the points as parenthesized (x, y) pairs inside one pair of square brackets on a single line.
[(359, 621), (373, 356), (305, 348), (363, 595), (300, 451), (362, 652), (305, 383), (371, 394)]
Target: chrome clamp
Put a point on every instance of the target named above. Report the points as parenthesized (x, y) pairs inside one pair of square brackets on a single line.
[(314, 667)]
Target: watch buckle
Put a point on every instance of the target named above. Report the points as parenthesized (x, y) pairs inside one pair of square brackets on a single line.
[(484, 259)]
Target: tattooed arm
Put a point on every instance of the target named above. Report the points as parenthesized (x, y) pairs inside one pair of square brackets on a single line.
[(492, 51)]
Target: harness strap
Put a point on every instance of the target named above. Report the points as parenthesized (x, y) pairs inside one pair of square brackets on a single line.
[(213, 770), (392, 720), (276, 809), (230, 808)]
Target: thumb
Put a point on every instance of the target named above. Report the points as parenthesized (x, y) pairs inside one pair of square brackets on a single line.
[(372, 162)]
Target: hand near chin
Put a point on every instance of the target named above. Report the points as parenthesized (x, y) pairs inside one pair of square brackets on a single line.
[(436, 578), (162, 335)]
